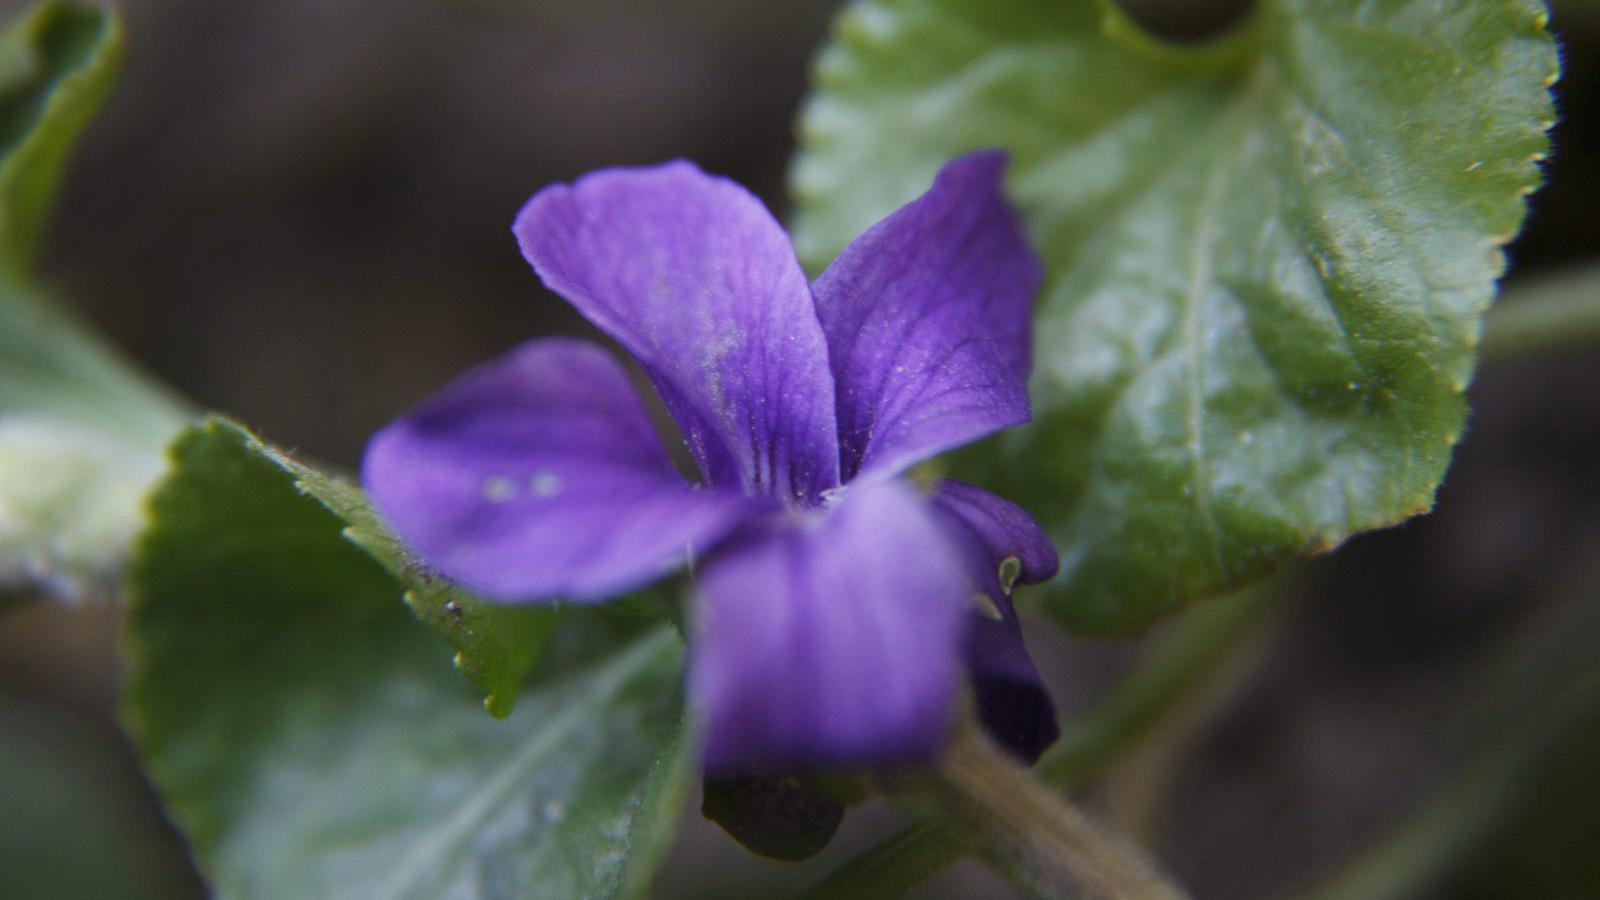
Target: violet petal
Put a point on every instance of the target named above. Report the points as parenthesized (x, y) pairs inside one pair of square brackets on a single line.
[(694, 277), (539, 475), (1003, 528), (1002, 546), (927, 317), (830, 637)]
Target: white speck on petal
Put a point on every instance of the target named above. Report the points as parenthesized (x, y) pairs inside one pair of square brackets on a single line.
[(499, 489), (544, 484)]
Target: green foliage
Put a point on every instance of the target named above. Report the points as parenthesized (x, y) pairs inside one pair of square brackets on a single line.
[(56, 66), (310, 741), (80, 431), (81, 435), (1268, 258), (496, 646)]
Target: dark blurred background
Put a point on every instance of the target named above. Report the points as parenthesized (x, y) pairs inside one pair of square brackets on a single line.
[(298, 212)]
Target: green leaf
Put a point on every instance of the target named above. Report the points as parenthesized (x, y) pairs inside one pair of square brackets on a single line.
[(81, 438), (81, 432), (310, 742), (1268, 258), (496, 646), (57, 64)]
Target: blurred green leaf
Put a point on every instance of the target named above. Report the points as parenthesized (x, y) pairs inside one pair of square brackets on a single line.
[(57, 64), (81, 438), (1268, 257), (496, 646), (81, 432), (310, 742)]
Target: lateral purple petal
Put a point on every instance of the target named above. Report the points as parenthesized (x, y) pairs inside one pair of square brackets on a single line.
[(927, 319), (1002, 546), (694, 277), (538, 475), (830, 637), (1003, 528)]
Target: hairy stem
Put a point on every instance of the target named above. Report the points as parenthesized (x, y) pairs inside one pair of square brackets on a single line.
[(1033, 834), (1182, 664)]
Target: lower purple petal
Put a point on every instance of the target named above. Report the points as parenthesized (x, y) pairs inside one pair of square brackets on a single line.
[(1002, 546), (538, 475), (830, 638), (1013, 704)]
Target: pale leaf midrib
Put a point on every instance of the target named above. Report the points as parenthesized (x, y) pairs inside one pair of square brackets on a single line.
[(430, 857)]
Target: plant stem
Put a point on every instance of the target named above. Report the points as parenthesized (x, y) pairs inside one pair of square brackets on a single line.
[(1180, 666), (1183, 663), (1135, 788), (1548, 313), (1033, 834), (898, 863)]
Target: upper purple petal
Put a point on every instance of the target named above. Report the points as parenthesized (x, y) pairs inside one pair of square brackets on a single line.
[(538, 475), (1002, 546), (927, 319), (694, 277), (830, 637)]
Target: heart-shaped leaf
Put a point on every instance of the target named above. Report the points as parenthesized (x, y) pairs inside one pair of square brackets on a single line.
[(311, 742), (1268, 258), (496, 646)]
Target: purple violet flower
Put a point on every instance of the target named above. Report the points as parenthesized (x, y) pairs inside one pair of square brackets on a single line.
[(837, 604)]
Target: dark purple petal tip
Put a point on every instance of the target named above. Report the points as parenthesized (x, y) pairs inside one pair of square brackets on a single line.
[(1013, 704)]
